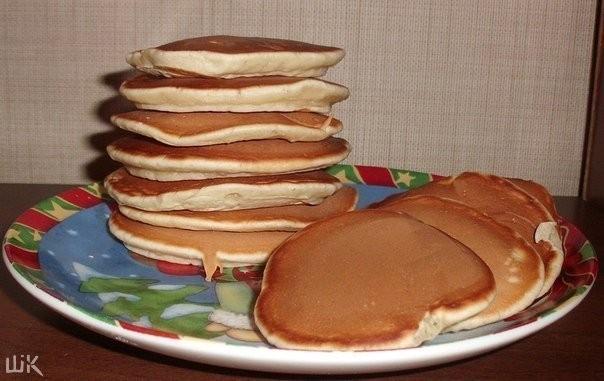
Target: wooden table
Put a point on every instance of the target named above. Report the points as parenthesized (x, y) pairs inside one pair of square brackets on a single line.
[(571, 348)]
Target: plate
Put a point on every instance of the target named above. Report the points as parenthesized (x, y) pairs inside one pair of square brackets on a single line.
[(61, 252)]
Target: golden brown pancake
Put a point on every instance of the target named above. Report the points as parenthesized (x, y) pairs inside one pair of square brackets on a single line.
[(156, 161), (254, 94), (283, 218), (213, 249), (539, 192), (221, 194), (230, 56), (208, 128), (506, 204), (238, 45), (516, 266), (368, 280), (145, 81)]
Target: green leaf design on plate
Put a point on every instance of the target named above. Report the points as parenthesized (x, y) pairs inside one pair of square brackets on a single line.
[(136, 301), (33, 276), (345, 173), (188, 325), (587, 252), (57, 208), (409, 179), (581, 290), (96, 189), (24, 237), (101, 317)]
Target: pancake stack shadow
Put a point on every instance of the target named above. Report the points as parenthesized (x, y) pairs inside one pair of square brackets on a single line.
[(229, 140)]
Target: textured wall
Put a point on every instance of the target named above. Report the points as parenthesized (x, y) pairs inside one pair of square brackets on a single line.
[(437, 86)]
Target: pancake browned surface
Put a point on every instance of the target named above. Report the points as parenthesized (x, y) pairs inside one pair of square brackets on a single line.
[(283, 218), (539, 192), (213, 249), (377, 280), (221, 194), (251, 94), (207, 128), (144, 157), (516, 266), (231, 56), (508, 205)]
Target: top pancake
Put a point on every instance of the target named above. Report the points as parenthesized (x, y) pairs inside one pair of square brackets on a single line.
[(377, 280), (231, 56), (205, 128), (507, 204), (516, 266), (274, 93)]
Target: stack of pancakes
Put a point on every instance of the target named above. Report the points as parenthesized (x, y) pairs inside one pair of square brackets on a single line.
[(455, 254), (225, 160)]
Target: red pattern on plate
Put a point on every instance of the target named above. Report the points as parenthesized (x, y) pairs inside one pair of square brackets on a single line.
[(22, 257), (179, 269), (376, 176), (80, 198), (37, 220)]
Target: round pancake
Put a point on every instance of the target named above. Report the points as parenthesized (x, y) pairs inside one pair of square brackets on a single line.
[(516, 266), (539, 192), (283, 218), (208, 128), (221, 194), (377, 280), (144, 157), (212, 249), (234, 95), (230, 56), (508, 205)]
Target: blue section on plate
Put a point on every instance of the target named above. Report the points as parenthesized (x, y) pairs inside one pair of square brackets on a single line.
[(369, 194), (81, 247)]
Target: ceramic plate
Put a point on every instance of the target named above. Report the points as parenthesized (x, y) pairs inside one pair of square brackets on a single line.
[(62, 253)]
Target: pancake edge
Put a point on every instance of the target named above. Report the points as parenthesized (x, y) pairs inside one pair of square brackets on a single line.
[(161, 168), (291, 133), (229, 196), (170, 63), (305, 95), (181, 222), (185, 254)]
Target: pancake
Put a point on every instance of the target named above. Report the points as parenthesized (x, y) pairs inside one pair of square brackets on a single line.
[(508, 205), (208, 128), (377, 280), (234, 95), (212, 249), (230, 56), (144, 157), (516, 266), (539, 192), (221, 194), (283, 218)]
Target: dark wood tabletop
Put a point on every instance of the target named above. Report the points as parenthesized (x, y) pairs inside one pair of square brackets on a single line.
[(571, 348)]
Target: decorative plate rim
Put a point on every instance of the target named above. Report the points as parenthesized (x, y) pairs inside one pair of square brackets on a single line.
[(49, 212)]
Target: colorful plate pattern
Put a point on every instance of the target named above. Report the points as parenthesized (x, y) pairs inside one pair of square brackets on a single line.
[(61, 252)]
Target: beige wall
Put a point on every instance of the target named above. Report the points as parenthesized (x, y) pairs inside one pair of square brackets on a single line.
[(437, 86)]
